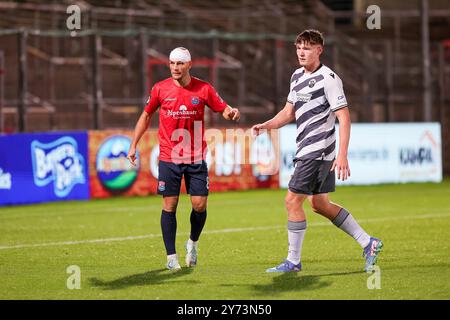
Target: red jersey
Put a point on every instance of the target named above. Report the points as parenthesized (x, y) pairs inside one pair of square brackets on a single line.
[(181, 118)]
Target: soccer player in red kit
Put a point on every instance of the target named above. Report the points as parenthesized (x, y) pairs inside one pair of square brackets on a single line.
[(181, 100)]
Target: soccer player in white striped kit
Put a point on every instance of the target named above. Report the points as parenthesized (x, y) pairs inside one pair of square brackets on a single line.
[(315, 100)]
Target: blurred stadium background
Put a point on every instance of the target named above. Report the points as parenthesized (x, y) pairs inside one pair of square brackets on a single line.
[(85, 91), (99, 79)]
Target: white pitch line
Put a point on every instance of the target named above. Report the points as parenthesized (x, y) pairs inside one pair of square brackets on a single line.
[(316, 224)]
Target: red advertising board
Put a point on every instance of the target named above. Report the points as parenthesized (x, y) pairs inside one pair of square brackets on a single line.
[(236, 161)]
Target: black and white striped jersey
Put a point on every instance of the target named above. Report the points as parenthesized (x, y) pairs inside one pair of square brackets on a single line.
[(316, 96)]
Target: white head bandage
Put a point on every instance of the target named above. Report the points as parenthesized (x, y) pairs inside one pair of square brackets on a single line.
[(180, 54)]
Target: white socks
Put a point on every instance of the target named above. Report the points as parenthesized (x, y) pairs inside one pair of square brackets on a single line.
[(296, 233), (348, 224), (344, 221)]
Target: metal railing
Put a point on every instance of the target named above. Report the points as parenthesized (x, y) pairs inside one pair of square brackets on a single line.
[(102, 71)]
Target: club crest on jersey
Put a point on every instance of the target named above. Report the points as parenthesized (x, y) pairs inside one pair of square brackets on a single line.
[(311, 83), (195, 101)]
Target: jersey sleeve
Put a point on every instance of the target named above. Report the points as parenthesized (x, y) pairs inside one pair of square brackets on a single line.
[(214, 101), (291, 96), (152, 101), (334, 92)]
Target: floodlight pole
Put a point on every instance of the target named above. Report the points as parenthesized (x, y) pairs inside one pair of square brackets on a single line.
[(143, 39), (23, 75), (97, 95), (427, 108)]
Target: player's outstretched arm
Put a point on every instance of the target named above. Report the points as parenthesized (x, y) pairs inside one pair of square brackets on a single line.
[(231, 114), (282, 118), (139, 130)]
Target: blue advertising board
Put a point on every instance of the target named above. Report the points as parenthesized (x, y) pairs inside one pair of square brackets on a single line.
[(43, 167)]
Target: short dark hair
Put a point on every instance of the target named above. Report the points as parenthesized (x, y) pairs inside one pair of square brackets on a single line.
[(310, 36)]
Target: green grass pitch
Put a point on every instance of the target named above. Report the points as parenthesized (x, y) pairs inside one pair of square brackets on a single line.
[(118, 246)]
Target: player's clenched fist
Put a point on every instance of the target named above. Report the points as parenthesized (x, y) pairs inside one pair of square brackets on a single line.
[(235, 115)]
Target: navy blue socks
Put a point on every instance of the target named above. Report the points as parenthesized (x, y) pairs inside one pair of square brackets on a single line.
[(198, 220), (169, 230)]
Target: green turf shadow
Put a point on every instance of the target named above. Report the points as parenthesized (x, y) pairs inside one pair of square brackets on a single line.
[(290, 282), (294, 282), (142, 279)]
